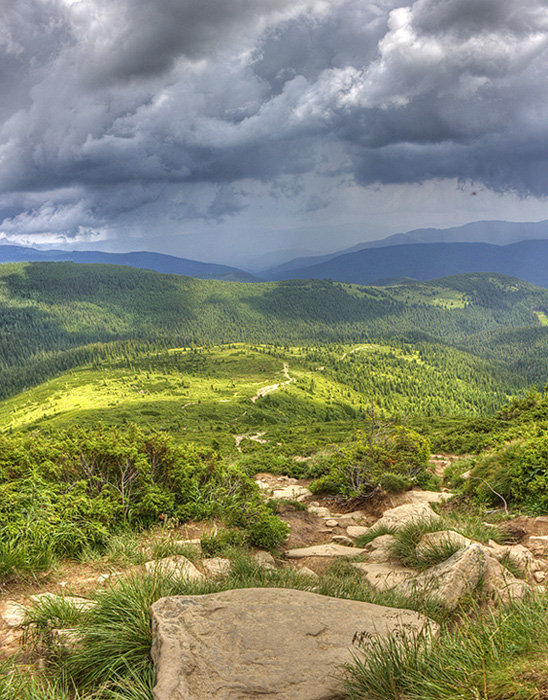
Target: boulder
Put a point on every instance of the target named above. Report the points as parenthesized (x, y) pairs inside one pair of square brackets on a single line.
[(400, 516), (342, 539), (449, 581), (538, 545), (500, 584), (217, 567), (265, 559), (331, 522), (383, 576), (277, 643), (323, 550), (380, 549), (356, 530), (442, 538), (12, 613), (177, 566)]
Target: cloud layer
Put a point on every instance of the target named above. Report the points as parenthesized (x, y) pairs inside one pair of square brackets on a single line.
[(116, 110)]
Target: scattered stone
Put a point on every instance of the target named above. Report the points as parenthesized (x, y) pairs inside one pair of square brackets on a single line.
[(331, 522), (523, 559), (539, 576), (291, 493), (245, 644), (502, 585), (13, 613), (384, 576), (305, 571), (178, 566), (403, 515), (539, 545), (323, 550), (342, 539), (265, 559), (420, 497), (380, 549), (217, 567), (321, 511), (356, 530)]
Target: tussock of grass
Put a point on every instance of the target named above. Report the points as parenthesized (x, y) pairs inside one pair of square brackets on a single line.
[(483, 658)]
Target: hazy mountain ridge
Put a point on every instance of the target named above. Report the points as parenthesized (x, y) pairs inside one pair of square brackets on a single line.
[(426, 261), (159, 262), (499, 233)]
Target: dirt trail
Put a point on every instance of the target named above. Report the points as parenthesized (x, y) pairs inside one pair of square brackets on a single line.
[(361, 347), (263, 391), (256, 438)]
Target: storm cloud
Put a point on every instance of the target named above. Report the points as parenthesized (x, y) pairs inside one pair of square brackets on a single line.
[(117, 112)]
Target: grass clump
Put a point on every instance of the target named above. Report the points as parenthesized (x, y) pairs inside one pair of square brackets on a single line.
[(491, 658)]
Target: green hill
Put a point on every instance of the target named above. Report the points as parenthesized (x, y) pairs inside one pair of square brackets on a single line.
[(57, 316)]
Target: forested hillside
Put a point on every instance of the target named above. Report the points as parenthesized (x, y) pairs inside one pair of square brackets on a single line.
[(54, 316)]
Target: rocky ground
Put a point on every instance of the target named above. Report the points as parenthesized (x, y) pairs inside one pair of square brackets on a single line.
[(325, 531)]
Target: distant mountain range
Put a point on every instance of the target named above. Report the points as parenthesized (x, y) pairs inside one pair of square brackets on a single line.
[(142, 260), (495, 232), (516, 249), (527, 260)]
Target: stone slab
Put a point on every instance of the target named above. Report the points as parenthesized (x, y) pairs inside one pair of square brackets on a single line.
[(263, 643)]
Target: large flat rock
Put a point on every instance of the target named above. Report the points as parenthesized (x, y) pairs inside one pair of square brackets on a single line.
[(324, 550), (263, 643)]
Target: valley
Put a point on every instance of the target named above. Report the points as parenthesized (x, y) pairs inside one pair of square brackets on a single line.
[(148, 417)]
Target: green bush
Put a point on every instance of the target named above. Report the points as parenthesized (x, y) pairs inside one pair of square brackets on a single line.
[(66, 492), (518, 472), (388, 456)]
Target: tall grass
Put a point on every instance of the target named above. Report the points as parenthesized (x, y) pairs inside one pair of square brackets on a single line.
[(487, 658)]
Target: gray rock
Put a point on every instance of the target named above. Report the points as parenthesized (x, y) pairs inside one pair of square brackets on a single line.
[(12, 613), (331, 522), (449, 581), (291, 493), (265, 559), (500, 584), (320, 511), (217, 567), (342, 539), (403, 515), (305, 571), (277, 643), (384, 576), (380, 549), (538, 545), (442, 537), (323, 550), (356, 530), (418, 497), (178, 566)]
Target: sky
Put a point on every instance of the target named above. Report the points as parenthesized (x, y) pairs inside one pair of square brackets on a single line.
[(223, 130)]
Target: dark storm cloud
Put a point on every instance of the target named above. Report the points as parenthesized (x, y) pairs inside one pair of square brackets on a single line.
[(143, 38), (111, 106)]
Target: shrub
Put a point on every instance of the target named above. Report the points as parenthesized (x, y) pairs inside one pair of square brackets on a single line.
[(392, 455)]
